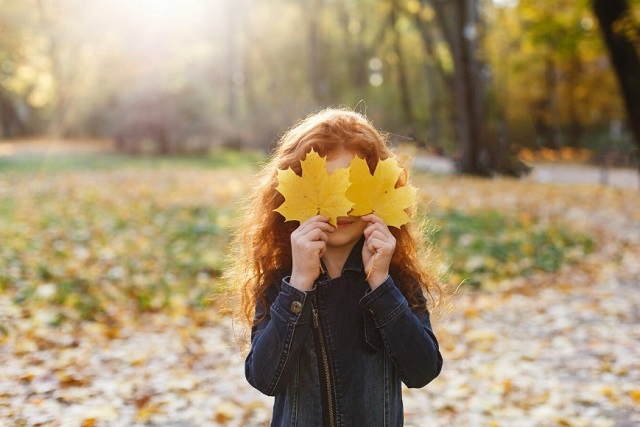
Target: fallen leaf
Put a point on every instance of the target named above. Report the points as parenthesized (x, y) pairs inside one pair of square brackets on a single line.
[(226, 411)]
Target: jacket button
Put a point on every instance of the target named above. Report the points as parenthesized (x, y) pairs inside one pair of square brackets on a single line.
[(296, 307)]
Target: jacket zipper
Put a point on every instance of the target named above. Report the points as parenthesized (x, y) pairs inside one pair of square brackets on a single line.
[(324, 367)]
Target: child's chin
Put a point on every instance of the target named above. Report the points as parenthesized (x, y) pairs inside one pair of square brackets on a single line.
[(335, 239)]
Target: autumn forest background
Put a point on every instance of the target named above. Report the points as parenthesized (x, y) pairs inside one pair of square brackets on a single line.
[(131, 130)]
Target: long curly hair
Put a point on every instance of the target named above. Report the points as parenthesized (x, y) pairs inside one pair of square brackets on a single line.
[(261, 247)]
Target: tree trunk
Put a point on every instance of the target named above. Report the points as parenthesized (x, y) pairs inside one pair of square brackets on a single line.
[(232, 62), (546, 108), (433, 70), (434, 107), (624, 59), (403, 80), (62, 52), (11, 125), (574, 134), (59, 110), (316, 68), (457, 20)]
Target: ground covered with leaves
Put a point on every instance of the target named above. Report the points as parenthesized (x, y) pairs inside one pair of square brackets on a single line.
[(112, 303)]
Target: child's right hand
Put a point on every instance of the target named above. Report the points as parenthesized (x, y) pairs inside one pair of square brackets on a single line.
[(308, 244)]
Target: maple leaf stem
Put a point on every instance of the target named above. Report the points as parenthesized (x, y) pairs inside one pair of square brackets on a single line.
[(371, 264)]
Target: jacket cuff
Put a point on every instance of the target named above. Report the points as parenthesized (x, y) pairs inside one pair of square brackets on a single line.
[(292, 305), (385, 303)]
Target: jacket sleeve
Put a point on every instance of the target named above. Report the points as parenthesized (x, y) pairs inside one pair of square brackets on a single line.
[(276, 338), (406, 334)]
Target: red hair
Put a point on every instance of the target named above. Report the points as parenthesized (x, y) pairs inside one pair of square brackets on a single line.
[(262, 247)]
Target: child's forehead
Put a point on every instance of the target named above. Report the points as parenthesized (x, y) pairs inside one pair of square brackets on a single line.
[(339, 159), (341, 152)]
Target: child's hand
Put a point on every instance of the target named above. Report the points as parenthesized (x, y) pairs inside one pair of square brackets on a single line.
[(379, 245), (308, 244)]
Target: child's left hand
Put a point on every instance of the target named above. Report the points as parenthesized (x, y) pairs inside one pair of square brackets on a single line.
[(379, 245)]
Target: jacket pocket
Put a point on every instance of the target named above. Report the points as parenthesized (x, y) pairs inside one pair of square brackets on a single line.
[(371, 333)]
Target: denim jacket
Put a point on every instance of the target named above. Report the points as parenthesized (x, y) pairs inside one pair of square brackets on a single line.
[(336, 355)]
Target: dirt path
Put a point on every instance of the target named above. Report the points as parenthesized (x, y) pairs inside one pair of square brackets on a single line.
[(556, 173), (585, 174), (46, 147)]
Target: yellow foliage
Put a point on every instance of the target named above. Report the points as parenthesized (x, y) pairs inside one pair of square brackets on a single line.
[(352, 190), (565, 154), (315, 192), (377, 193)]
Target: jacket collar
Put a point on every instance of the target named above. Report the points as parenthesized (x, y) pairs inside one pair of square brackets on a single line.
[(354, 260)]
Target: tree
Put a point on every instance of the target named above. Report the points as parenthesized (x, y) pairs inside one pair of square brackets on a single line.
[(458, 22), (551, 79), (611, 14), (434, 70), (317, 72), (24, 94), (403, 80)]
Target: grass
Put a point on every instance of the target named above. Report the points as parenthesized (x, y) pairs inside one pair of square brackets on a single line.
[(121, 236), (43, 163), (486, 247)]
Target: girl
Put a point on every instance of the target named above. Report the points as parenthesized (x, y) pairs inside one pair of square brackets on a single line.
[(331, 339)]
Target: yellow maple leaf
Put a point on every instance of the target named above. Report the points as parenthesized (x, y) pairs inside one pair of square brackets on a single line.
[(377, 193), (315, 192)]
